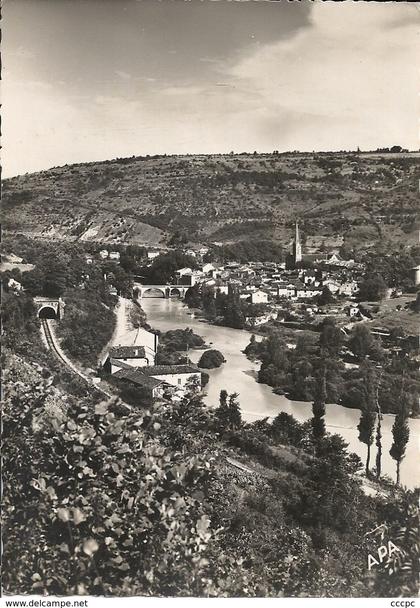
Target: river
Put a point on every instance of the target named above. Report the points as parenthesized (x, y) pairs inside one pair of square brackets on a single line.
[(238, 375)]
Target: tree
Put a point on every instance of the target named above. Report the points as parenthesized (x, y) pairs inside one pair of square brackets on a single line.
[(304, 345), (378, 439), (276, 352), (325, 296), (362, 343), (163, 267), (55, 281), (400, 435), (417, 303), (193, 297), (368, 414), (33, 281), (235, 417), (318, 409), (228, 413), (221, 412), (128, 263), (287, 429), (233, 315), (373, 288), (331, 337)]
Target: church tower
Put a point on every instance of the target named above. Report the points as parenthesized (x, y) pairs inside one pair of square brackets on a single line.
[(297, 247), (295, 256)]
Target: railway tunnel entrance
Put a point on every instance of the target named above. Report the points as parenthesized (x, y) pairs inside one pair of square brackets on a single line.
[(47, 312), (49, 308)]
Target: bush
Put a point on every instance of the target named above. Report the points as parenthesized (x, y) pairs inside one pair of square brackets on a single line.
[(181, 339), (211, 359)]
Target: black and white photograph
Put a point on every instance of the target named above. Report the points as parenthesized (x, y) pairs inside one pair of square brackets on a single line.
[(210, 302)]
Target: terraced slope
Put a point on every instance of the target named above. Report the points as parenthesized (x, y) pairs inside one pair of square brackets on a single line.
[(220, 198)]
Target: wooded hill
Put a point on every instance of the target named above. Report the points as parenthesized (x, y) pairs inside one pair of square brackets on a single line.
[(227, 198)]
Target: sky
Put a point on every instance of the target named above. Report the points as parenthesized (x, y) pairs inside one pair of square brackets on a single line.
[(87, 80)]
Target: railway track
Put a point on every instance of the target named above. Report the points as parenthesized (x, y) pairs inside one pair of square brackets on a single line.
[(49, 337), (51, 344)]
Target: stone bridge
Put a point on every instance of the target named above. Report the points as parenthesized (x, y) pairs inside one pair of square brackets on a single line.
[(161, 291), (49, 308)]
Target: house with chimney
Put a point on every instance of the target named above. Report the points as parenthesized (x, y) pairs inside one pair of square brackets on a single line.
[(123, 357)]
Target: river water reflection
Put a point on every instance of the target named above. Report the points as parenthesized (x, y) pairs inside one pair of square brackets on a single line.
[(238, 375)]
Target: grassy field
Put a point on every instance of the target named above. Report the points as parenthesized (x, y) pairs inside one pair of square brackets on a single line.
[(396, 312)]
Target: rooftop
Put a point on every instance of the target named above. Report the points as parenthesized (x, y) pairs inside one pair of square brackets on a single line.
[(137, 377), (161, 370), (127, 352)]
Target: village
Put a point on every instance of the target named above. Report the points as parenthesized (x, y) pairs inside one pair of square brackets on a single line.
[(297, 294)]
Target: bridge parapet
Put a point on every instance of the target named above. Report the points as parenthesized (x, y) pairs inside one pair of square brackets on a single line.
[(161, 291)]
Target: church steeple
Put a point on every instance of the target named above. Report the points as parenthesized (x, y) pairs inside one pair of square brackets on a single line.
[(297, 247)]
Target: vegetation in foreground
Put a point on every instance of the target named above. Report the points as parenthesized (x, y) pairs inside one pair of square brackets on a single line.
[(99, 499)]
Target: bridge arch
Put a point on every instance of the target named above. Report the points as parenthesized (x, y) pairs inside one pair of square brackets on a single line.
[(152, 291), (175, 292), (47, 312)]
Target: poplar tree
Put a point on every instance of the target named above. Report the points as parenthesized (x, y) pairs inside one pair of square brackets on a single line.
[(235, 417), (401, 435), (229, 411), (379, 446), (367, 421), (378, 440), (318, 409)]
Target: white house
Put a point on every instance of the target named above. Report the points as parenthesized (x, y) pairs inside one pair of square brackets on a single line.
[(285, 290), (349, 288), (104, 254), (123, 357), (114, 255), (255, 297), (208, 268), (186, 276), (260, 319), (150, 342), (333, 286), (151, 255), (182, 271), (311, 292), (175, 375), (353, 311)]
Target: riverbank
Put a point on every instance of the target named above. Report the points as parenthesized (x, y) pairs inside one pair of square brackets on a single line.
[(258, 401), (294, 379)]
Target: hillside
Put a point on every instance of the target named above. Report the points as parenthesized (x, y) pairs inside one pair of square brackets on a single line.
[(225, 198), (150, 513)]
